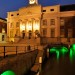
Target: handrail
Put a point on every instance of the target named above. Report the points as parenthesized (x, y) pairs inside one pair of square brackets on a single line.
[(17, 51)]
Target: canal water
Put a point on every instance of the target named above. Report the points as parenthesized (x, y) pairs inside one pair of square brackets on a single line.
[(60, 62)]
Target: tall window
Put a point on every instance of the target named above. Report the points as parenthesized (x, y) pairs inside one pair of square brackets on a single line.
[(44, 31), (62, 32), (17, 24), (45, 22), (53, 32), (11, 25), (52, 21), (62, 22), (17, 32), (12, 33), (69, 32)]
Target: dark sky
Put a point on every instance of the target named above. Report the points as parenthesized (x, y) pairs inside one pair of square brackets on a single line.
[(12, 5)]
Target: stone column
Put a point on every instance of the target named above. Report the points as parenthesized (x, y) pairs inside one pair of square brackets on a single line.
[(26, 27)]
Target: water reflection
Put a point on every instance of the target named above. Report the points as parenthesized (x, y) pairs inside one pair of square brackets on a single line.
[(60, 50)]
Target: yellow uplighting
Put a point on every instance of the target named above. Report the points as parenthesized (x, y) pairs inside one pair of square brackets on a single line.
[(36, 26), (22, 27), (32, 1), (3, 30), (29, 27)]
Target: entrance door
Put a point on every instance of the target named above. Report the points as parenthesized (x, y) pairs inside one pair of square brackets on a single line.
[(30, 34), (23, 34), (2, 37)]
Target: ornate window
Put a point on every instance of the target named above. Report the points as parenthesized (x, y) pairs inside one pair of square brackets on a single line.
[(53, 32), (11, 25), (62, 22), (52, 21), (17, 24), (44, 31), (62, 32), (45, 22)]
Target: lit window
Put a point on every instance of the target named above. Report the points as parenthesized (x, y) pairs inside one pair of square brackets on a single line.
[(17, 32), (11, 25), (17, 24), (44, 31), (62, 22), (12, 33), (52, 21), (53, 32), (69, 32), (45, 22), (3, 30), (62, 32)]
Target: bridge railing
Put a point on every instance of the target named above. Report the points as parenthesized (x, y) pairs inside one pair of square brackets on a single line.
[(10, 50)]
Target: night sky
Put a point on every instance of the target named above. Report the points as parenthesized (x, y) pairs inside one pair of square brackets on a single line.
[(12, 5)]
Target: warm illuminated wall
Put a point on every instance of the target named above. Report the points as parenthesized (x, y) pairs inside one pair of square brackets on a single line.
[(30, 20)]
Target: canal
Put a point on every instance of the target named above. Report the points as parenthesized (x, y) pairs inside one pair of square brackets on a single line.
[(59, 64)]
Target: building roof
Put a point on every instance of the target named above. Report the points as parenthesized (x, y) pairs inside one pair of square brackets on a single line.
[(3, 19), (67, 7)]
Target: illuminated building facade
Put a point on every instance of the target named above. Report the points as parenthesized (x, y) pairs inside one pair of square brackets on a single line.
[(3, 29), (50, 21)]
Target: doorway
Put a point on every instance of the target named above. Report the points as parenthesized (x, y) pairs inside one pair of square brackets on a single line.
[(3, 37)]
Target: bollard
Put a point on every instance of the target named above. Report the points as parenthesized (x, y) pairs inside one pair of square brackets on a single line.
[(40, 62), (47, 52), (16, 50), (4, 51)]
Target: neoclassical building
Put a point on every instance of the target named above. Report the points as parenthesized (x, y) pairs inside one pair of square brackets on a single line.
[(37, 21)]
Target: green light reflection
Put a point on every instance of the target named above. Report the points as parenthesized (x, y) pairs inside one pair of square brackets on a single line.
[(9, 72), (61, 49), (72, 52)]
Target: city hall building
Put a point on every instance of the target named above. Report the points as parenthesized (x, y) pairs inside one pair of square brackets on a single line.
[(36, 21)]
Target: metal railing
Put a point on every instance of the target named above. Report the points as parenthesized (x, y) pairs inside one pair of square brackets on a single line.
[(7, 50), (46, 40)]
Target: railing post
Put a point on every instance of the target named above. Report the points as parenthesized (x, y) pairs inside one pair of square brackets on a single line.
[(25, 49), (37, 46), (4, 51), (16, 50), (34, 47)]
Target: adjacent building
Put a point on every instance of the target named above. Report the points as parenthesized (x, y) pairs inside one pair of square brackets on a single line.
[(3, 29), (35, 20)]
